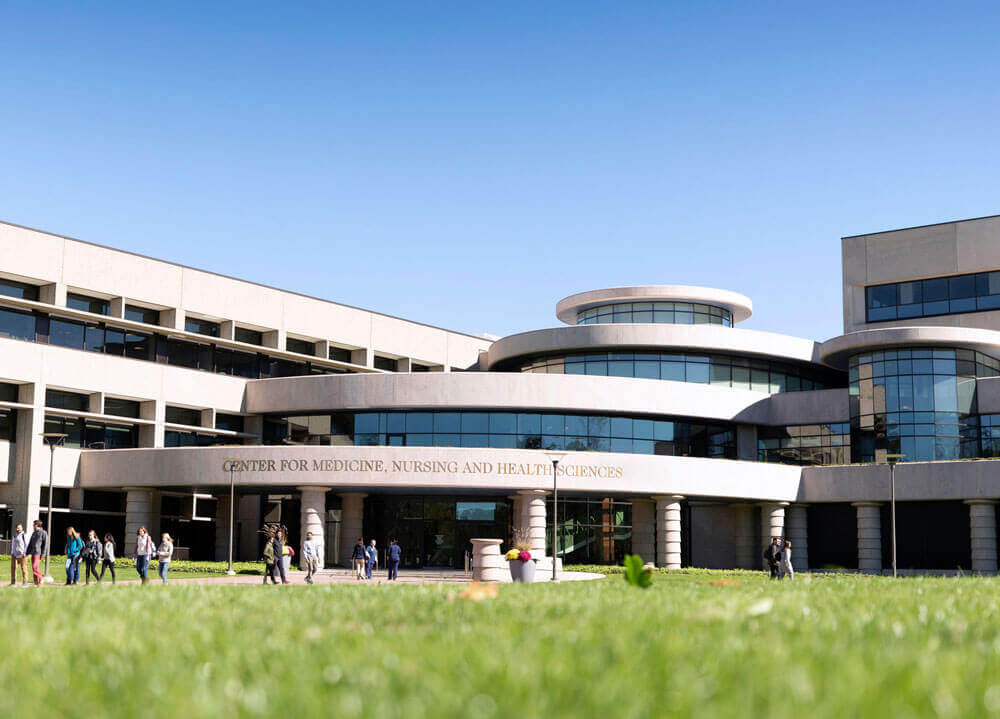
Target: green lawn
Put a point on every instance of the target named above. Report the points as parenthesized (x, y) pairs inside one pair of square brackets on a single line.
[(825, 646)]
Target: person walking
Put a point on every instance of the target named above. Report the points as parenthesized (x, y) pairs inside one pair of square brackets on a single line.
[(278, 541), (19, 556), (310, 557), (37, 545), (108, 561), (371, 559), (74, 547), (143, 553), (164, 553), (772, 555), (358, 558), (786, 561), (393, 555), (92, 552), (269, 559)]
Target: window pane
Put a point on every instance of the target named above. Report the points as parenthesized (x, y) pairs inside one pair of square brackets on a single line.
[(478, 422), (883, 296), (66, 334), (17, 325), (503, 423)]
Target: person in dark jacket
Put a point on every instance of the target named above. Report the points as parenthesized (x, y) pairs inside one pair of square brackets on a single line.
[(92, 554), (393, 554), (358, 559), (772, 557), (371, 559), (36, 548)]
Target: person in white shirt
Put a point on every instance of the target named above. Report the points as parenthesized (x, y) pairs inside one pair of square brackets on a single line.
[(143, 552), (163, 555), (109, 557), (310, 557), (19, 556), (785, 563)]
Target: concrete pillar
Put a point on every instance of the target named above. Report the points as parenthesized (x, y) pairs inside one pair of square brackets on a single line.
[(222, 528), (746, 541), (142, 509), (869, 536), (534, 518), (668, 531), (772, 522), (488, 565), (314, 517), (351, 523), (644, 529), (983, 522), (796, 531)]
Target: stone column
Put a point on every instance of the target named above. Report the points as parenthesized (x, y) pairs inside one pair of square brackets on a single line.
[(796, 531), (668, 531), (142, 509), (222, 529), (746, 540), (351, 523), (983, 523), (488, 565), (644, 529), (869, 536), (313, 517), (534, 517), (772, 522)]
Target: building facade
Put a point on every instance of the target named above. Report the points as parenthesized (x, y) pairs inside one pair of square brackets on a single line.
[(676, 434)]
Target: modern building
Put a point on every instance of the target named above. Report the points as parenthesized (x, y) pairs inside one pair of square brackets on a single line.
[(679, 435)]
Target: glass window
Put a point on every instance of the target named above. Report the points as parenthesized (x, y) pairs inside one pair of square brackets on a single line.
[(201, 327), (529, 423), (66, 334), (229, 422), (138, 346), (142, 314), (94, 338), (419, 422), (19, 290), (302, 347), (183, 354), (501, 423), (121, 407), (183, 415), (476, 422), (250, 337), (87, 304), (447, 422), (61, 399), (340, 354), (17, 325), (114, 341)]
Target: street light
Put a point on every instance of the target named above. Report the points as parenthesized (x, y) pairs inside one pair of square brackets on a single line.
[(232, 501), (53, 439), (555, 457), (892, 459)]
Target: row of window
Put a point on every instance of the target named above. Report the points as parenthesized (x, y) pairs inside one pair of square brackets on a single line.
[(524, 430), (723, 370), (972, 292), (107, 339), (144, 315), (93, 434), (670, 313)]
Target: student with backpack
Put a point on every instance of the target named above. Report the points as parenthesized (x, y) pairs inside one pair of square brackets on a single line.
[(92, 552)]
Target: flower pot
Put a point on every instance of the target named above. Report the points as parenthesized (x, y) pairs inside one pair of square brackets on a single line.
[(522, 571)]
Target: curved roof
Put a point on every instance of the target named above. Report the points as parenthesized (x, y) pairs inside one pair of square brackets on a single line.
[(836, 352), (711, 338), (739, 305)]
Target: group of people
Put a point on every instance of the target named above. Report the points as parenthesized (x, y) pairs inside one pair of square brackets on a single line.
[(778, 558), (365, 559), (91, 552)]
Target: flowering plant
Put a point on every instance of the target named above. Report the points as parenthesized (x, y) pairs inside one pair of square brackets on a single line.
[(521, 554)]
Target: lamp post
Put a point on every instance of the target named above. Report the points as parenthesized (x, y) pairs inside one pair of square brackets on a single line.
[(555, 457), (232, 502), (53, 439), (892, 459)]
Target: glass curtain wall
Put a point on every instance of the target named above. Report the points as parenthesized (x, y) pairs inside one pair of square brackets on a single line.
[(920, 403), (592, 530)]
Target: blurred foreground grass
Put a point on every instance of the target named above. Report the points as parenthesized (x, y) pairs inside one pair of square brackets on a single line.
[(824, 646)]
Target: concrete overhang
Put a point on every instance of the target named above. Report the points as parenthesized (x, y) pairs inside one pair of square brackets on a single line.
[(837, 351)]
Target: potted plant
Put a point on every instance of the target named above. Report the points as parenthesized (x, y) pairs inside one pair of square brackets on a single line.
[(522, 566)]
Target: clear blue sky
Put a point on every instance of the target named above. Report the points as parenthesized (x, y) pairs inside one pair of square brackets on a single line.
[(467, 164)]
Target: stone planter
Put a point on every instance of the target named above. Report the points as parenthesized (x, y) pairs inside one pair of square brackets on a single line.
[(522, 571)]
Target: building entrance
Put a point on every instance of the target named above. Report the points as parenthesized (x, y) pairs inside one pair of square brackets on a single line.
[(434, 531)]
